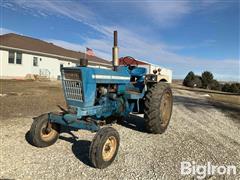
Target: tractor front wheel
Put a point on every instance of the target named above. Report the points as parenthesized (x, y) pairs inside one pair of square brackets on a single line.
[(43, 133), (104, 147), (158, 108)]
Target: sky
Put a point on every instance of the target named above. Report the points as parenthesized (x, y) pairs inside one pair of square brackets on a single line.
[(182, 35)]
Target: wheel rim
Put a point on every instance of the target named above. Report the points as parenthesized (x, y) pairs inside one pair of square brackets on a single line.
[(109, 148), (47, 132), (166, 108)]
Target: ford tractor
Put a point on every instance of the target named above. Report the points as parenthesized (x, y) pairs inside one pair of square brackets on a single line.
[(97, 97)]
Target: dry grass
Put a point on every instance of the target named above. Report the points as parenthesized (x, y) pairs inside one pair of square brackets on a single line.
[(233, 99), (218, 96), (29, 98)]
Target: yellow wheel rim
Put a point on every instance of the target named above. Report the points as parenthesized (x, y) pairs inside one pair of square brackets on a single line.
[(49, 134), (165, 108), (109, 148)]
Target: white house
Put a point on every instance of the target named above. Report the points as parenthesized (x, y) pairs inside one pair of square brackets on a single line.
[(22, 56)]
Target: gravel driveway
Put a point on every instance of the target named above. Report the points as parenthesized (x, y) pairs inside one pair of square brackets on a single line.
[(199, 131)]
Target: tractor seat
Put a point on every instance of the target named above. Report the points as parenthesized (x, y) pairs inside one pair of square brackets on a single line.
[(138, 72)]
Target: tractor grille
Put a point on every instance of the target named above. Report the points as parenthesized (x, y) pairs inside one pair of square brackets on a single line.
[(73, 89)]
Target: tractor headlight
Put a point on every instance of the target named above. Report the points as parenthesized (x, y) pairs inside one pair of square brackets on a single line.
[(154, 78), (151, 77)]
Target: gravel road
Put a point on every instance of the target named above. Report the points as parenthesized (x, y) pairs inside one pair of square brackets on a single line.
[(199, 131)]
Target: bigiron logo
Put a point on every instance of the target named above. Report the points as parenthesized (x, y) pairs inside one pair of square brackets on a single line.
[(208, 169)]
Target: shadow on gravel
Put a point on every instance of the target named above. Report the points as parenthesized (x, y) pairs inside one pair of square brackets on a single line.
[(232, 111), (81, 151), (27, 138), (80, 148), (134, 122)]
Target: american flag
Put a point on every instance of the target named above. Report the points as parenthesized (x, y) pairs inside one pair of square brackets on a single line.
[(89, 52)]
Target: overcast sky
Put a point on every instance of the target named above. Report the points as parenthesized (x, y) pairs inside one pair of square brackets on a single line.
[(180, 35)]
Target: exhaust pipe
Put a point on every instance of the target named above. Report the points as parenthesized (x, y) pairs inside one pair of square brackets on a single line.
[(115, 59)]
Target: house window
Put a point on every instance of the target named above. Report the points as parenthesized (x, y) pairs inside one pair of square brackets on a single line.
[(11, 57), (35, 61), (19, 58)]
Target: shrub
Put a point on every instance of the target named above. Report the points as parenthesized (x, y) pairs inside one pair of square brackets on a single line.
[(234, 87), (192, 81), (214, 85), (188, 79), (197, 81), (226, 87), (206, 81), (207, 78)]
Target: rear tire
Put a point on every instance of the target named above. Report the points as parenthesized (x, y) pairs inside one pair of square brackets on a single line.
[(43, 133), (104, 147), (158, 108)]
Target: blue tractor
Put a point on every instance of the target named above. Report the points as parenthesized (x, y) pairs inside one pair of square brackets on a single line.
[(98, 97)]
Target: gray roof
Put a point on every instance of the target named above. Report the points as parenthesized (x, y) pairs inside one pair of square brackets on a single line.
[(39, 46)]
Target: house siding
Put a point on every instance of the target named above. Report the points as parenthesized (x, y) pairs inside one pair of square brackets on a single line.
[(10, 71)]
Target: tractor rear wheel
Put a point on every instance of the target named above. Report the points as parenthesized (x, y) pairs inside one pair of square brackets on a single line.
[(104, 147), (158, 108), (43, 133)]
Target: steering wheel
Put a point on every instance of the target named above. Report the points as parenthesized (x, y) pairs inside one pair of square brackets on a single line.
[(131, 63)]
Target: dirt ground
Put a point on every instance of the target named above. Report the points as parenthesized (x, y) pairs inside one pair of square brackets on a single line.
[(200, 130), (29, 98)]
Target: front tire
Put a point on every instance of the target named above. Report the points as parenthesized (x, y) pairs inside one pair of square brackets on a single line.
[(43, 133), (104, 147), (158, 108)]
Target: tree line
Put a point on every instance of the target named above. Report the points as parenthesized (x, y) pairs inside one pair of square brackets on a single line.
[(207, 81)]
